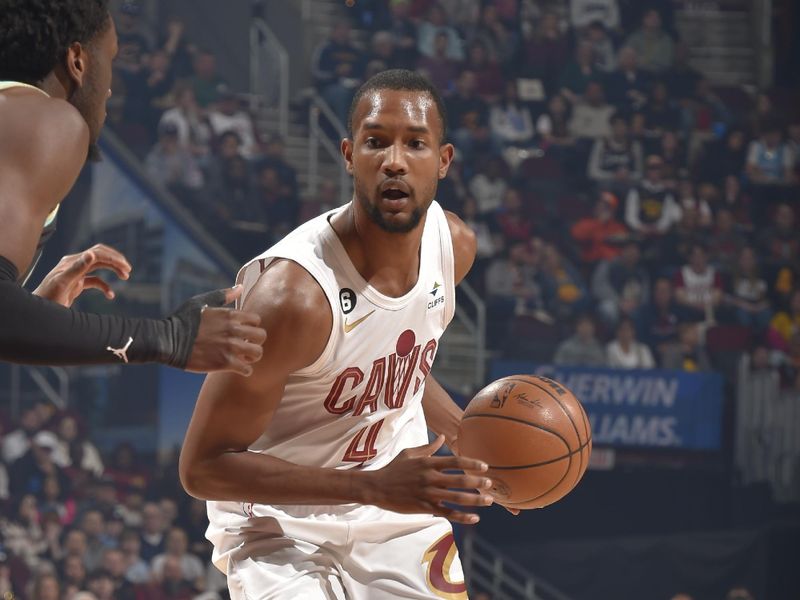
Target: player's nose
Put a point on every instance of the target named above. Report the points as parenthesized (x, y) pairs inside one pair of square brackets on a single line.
[(394, 160)]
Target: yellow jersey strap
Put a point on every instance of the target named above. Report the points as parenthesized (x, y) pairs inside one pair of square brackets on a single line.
[(7, 85)]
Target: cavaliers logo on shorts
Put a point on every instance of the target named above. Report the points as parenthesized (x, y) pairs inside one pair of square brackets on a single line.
[(440, 556)]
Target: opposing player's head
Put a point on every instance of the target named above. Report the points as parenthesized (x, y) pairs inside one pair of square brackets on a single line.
[(396, 151), (73, 40)]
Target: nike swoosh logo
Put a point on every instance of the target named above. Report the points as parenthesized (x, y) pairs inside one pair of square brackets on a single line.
[(348, 327)]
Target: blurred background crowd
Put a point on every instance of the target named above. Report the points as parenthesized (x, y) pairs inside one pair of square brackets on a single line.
[(628, 214)]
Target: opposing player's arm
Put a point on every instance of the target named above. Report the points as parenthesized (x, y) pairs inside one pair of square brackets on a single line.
[(233, 412), (441, 413), (43, 147)]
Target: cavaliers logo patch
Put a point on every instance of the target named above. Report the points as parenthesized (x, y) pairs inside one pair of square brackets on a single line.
[(440, 557)]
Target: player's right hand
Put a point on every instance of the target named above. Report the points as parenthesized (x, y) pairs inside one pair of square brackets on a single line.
[(227, 340), (417, 482)]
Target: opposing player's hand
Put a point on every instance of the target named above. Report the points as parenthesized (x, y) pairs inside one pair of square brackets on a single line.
[(76, 273), (417, 482), (227, 340)]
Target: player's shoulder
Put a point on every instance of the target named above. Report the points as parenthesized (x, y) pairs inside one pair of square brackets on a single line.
[(465, 244), (36, 123)]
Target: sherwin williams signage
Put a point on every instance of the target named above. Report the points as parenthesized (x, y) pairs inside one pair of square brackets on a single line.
[(640, 408)]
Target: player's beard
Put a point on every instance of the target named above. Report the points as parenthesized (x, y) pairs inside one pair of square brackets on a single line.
[(376, 216)]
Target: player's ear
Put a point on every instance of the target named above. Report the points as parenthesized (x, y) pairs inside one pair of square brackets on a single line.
[(446, 153), (347, 153), (76, 63)]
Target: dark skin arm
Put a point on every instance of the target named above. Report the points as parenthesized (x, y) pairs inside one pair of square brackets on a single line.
[(43, 148), (232, 412)]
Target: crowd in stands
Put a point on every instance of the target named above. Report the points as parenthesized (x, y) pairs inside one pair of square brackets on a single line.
[(78, 525), (627, 213), (624, 207)]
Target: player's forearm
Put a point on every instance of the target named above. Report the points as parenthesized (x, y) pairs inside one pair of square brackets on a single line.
[(37, 331), (442, 414), (263, 479)]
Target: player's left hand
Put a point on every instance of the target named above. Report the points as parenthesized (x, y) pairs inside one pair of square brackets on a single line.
[(75, 273)]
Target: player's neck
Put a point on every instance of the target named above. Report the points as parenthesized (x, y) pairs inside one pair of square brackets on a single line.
[(53, 86), (388, 261)]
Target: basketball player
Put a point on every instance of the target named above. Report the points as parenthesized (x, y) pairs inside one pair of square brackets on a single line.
[(320, 477), (55, 73)]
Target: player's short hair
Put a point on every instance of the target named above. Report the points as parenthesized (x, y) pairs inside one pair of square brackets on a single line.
[(400, 80), (36, 34)]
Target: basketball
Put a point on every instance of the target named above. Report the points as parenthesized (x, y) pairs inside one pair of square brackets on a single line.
[(534, 435)]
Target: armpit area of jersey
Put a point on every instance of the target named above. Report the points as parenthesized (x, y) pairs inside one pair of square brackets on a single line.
[(36, 331)]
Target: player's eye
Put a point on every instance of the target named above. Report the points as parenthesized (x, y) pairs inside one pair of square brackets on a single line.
[(417, 144), (373, 142)]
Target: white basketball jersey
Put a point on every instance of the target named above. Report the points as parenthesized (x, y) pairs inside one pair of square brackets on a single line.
[(359, 404)]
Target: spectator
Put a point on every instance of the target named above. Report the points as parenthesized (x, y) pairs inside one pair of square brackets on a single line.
[(435, 22), (689, 354), (698, 286), (673, 155), (659, 320), (439, 68), (681, 78), (565, 291), (591, 116), (615, 163), (749, 292), (58, 501), (785, 324), (194, 133), (404, 32), (73, 572), (489, 83), (489, 186), (22, 533), (579, 72), (780, 243), (723, 158), (229, 178), (27, 475), (582, 349), (74, 545), (275, 157), (498, 40), (628, 86), (194, 521), (45, 587), (553, 125), (770, 160), (113, 563), (172, 166), (338, 70), (605, 56), (93, 526), (586, 13), (177, 545), (205, 81), (76, 450), (661, 114), (545, 52), (462, 14), (625, 352), (178, 48), (137, 570), (101, 584), (153, 528), (600, 236), (280, 210), (513, 285), (133, 45), (469, 116), (510, 120), (383, 51), (17, 443), (739, 593), (228, 115), (511, 220), (621, 285), (650, 208), (705, 111), (726, 241), (689, 201), (652, 44), (172, 585)]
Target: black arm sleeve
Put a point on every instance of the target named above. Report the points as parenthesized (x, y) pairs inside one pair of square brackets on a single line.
[(36, 331)]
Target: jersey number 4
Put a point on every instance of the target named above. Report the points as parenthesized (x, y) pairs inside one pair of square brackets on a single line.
[(362, 448)]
